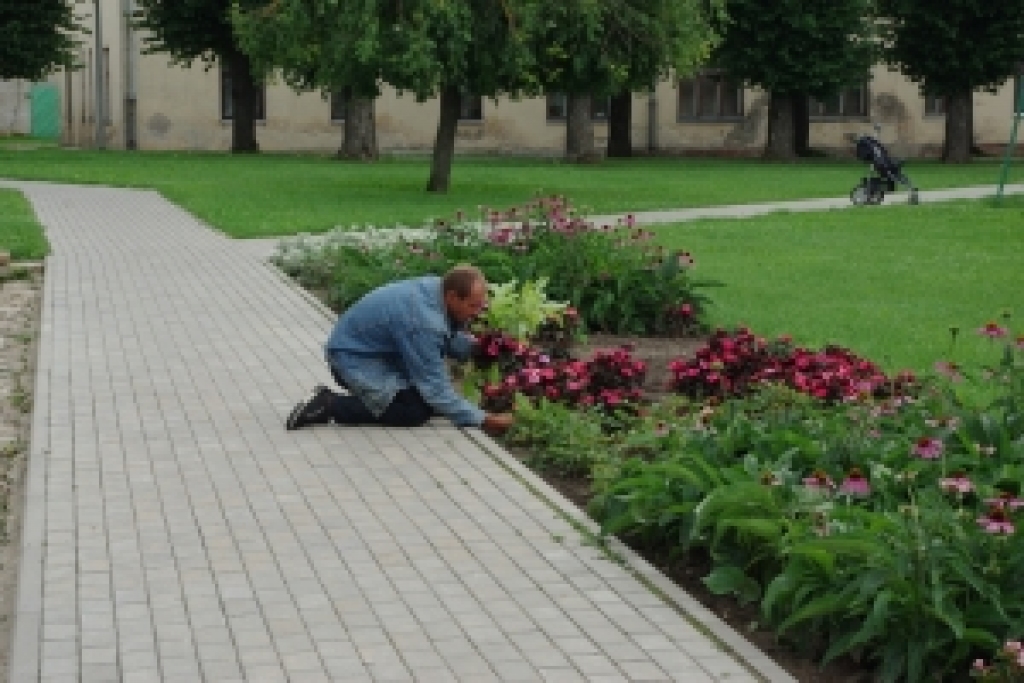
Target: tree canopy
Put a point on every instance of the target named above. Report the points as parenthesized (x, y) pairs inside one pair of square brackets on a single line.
[(36, 37), (953, 48), (794, 48)]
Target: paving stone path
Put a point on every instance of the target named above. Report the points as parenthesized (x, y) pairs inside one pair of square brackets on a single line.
[(174, 531)]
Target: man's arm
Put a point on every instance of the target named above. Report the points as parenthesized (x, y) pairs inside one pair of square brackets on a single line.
[(460, 346), (422, 351)]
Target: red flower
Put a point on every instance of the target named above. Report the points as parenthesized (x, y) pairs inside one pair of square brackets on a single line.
[(992, 330)]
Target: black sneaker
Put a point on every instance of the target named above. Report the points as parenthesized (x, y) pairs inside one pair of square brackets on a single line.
[(315, 410)]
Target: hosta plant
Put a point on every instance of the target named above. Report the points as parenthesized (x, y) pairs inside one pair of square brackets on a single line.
[(520, 310)]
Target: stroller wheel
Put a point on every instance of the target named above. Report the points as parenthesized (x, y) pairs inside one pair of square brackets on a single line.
[(859, 195), (913, 198)]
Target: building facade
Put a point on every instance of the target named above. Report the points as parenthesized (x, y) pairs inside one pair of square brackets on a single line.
[(148, 103)]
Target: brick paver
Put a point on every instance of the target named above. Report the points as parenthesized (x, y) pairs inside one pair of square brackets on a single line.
[(174, 531)]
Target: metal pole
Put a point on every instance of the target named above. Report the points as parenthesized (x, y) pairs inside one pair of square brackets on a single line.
[(1018, 112), (98, 64)]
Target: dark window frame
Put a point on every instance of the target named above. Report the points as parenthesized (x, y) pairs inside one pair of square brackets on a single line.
[(691, 103), (817, 108), (558, 110), (934, 105), (338, 101), (227, 105), (471, 108), (1018, 84)]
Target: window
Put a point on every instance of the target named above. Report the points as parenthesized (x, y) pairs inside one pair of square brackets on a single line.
[(710, 95), (227, 105), (471, 108), (847, 103), (558, 107), (934, 105), (339, 104)]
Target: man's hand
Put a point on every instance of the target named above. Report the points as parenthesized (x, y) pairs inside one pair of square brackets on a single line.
[(497, 423)]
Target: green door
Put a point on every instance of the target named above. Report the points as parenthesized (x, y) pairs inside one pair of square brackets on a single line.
[(45, 111)]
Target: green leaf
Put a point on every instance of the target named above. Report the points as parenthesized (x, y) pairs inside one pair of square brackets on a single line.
[(731, 580), (822, 606)]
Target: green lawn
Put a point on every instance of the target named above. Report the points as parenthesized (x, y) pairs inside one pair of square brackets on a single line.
[(888, 282), (267, 195), (20, 233)]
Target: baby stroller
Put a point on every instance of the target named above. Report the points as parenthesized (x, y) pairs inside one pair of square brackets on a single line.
[(887, 173)]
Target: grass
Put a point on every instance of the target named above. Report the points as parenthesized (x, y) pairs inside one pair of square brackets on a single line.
[(20, 232), (271, 195), (887, 282)]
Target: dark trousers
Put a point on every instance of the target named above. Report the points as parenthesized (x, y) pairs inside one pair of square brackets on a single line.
[(408, 409)]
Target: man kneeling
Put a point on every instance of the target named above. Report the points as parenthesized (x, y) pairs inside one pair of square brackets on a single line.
[(389, 349)]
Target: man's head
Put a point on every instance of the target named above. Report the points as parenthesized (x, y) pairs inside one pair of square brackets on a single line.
[(465, 293)]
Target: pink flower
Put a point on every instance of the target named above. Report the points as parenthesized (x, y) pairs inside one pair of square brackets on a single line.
[(928, 448), (996, 522), (855, 484), (992, 330), (819, 481), (950, 370), (958, 483), (950, 422), (1004, 501)]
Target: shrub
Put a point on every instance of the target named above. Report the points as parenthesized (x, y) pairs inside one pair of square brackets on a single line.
[(616, 278), (732, 364), (610, 379)]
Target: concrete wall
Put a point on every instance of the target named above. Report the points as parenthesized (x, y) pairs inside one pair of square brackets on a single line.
[(179, 108), (15, 108)]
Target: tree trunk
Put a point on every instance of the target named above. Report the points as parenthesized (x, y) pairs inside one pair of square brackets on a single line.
[(620, 125), (802, 124), (243, 103), (579, 129), (444, 143), (780, 128), (958, 128), (360, 141)]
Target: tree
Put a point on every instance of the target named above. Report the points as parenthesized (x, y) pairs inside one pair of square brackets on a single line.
[(655, 39), (795, 48), (36, 38), (953, 48), (466, 48), (339, 49), (429, 48), (609, 48), (190, 30)]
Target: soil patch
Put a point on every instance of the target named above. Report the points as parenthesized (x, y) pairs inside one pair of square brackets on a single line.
[(20, 305)]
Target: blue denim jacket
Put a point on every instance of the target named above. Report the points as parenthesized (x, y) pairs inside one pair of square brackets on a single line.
[(395, 337)]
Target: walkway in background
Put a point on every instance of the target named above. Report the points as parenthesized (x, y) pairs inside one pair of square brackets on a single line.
[(174, 531), (264, 248)]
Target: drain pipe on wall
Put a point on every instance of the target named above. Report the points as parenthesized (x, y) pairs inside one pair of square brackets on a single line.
[(98, 69), (131, 139), (652, 119)]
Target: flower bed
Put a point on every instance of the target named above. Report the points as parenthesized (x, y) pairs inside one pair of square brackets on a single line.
[(862, 516)]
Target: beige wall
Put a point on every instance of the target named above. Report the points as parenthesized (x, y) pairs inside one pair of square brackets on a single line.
[(179, 108), (15, 108)]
